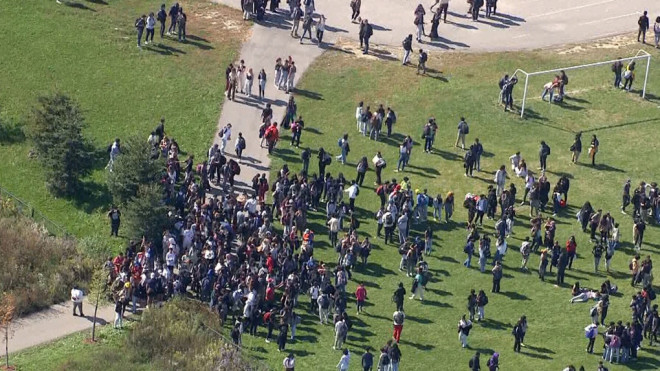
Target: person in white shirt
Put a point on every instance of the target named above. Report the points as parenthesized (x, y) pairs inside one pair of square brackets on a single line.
[(77, 299), (289, 362), (225, 136), (515, 161), (353, 192), (333, 227), (500, 180), (529, 183), (151, 23), (358, 115), (114, 152), (320, 27), (344, 361), (170, 259)]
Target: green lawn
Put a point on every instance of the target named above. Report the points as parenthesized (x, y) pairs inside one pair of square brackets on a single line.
[(75, 353), (87, 49), (327, 98)]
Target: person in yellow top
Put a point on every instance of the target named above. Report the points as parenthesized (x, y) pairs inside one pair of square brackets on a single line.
[(629, 76), (634, 268)]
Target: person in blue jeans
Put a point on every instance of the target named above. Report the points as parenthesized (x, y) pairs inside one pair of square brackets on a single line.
[(469, 250), (403, 157), (140, 23), (162, 18)]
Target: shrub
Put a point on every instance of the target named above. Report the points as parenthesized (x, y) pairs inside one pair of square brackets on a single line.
[(132, 168), (36, 268), (56, 132)]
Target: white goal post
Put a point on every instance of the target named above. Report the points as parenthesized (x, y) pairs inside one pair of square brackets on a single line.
[(641, 55)]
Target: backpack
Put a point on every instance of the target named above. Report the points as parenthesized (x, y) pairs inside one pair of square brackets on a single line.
[(241, 143), (327, 160), (466, 129), (593, 311), (485, 301), (325, 302), (385, 359), (471, 363), (393, 116), (614, 67), (339, 142)]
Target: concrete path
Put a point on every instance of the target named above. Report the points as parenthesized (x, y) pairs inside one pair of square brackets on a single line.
[(54, 323), (520, 24)]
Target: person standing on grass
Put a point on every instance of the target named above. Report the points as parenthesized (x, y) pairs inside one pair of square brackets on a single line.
[(463, 130), (407, 49), (625, 201), (576, 148), (617, 68), (474, 362), (656, 32), (344, 147), (296, 131), (500, 180), (115, 220), (162, 19), (174, 13), (464, 327), (629, 76), (379, 164), (497, 276), (367, 360), (525, 251), (150, 25), (289, 362), (472, 304), (449, 206), (398, 296), (643, 23), (544, 152), (482, 301), (340, 333), (282, 336), (362, 167), (360, 296), (140, 23), (272, 135), (477, 150), (517, 335), (562, 262), (181, 20), (593, 149), (398, 317)]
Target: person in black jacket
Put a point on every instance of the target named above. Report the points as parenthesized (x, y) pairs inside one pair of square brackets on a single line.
[(468, 162), (162, 17), (474, 362), (617, 68), (366, 31), (174, 13), (562, 262), (544, 152), (576, 147), (407, 49), (517, 335), (643, 23)]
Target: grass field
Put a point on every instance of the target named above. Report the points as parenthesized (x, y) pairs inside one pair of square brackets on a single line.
[(87, 49), (467, 86)]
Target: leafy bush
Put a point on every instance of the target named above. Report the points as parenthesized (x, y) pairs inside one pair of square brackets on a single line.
[(36, 268), (56, 132), (132, 168), (183, 334)]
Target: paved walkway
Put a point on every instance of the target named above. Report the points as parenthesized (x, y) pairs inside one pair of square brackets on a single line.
[(520, 24), (54, 323)]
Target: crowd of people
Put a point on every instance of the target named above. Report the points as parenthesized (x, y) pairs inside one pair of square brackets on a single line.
[(249, 254)]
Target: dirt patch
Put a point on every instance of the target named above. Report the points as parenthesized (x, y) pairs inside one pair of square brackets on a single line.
[(614, 42), (218, 23)]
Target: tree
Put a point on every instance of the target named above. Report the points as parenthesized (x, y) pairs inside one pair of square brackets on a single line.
[(134, 167), (7, 316), (97, 289), (147, 214), (56, 132)]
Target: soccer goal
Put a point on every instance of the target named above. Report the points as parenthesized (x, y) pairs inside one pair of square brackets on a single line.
[(641, 55)]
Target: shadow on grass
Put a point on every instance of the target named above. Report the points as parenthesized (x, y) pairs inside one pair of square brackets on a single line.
[(438, 304), (308, 94), (495, 324), (424, 321), (418, 346), (77, 5), (11, 133)]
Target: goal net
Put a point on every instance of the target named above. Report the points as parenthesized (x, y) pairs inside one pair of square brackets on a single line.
[(538, 81)]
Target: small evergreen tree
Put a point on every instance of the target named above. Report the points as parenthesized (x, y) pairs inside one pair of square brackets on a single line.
[(135, 166), (147, 214), (56, 132)]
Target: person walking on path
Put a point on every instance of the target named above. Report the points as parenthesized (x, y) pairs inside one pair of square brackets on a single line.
[(398, 317), (419, 22), (119, 313), (463, 130), (643, 23), (320, 28), (296, 16), (307, 27), (77, 299), (593, 149), (262, 83), (140, 23), (464, 327), (355, 8), (407, 49)]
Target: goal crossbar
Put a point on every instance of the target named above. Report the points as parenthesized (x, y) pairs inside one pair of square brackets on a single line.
[(642, 54)]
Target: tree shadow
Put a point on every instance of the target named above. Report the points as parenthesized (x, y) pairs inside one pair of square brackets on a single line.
[(11, 132), (93, 196)]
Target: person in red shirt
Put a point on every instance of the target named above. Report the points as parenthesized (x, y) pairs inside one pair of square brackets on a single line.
[(571, 249), (270, 295), (118, 262), (272, 135), (270, 263), (360, 295)]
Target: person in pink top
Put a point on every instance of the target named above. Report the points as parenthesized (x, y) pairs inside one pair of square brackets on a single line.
[(360, 295)]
